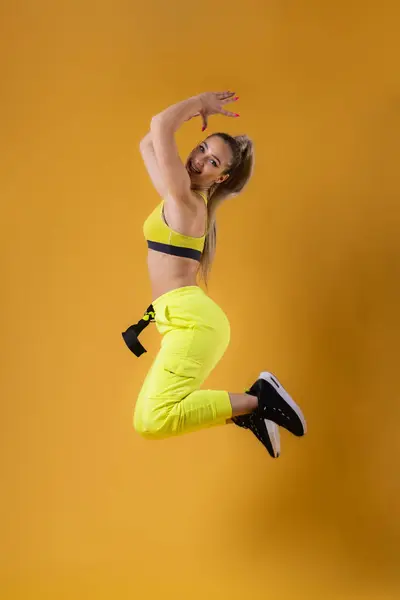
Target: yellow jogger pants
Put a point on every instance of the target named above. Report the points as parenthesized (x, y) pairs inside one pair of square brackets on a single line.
[(195, 334)]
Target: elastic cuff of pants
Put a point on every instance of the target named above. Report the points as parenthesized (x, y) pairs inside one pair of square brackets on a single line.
[(224, 406)]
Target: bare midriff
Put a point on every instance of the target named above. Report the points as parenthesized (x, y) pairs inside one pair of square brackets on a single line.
[(168, 272)]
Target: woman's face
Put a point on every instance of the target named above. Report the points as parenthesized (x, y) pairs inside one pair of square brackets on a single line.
[(208, 162)]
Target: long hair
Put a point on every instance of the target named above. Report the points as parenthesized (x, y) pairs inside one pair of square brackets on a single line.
[(239, 171)]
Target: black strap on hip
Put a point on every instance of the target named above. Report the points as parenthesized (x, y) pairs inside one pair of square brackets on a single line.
[(132, 333)]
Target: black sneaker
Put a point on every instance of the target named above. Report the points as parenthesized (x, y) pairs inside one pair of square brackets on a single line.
[(265, 431), (275, 404)]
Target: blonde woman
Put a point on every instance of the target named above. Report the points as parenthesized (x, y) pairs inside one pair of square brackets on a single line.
[(181, 239)]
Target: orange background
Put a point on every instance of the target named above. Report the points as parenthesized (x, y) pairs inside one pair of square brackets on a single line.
[(308, 271)]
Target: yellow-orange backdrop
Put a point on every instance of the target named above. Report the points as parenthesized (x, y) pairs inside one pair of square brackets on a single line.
[(307, 271)]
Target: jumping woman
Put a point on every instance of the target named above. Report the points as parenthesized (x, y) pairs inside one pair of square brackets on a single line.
[(181, 239)]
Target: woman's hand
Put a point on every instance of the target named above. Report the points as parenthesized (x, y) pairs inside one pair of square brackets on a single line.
[(193, 116), (213, 103)]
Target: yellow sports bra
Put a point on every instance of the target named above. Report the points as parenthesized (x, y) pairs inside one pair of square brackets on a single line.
[(162, 238)]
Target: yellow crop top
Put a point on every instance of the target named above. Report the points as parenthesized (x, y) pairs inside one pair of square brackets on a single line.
[(162, 238)]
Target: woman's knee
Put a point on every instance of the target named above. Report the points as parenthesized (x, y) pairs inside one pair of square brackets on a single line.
[(154, 423), (143, 425)]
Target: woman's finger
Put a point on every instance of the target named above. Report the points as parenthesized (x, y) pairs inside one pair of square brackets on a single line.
[(224, 95), (228, 100), (205, 121), (193, 116), (227, 113)]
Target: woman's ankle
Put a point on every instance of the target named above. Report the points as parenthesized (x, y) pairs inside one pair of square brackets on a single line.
[(243, 404)]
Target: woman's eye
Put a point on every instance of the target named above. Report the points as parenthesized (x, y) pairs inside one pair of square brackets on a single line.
[(201, 148), (213, 163)]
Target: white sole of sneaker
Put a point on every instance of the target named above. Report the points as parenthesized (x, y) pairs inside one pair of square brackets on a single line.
[(270, 377), (274, 436)]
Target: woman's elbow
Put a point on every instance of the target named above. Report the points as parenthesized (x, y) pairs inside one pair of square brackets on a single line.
[(158, 124), (146, 141)]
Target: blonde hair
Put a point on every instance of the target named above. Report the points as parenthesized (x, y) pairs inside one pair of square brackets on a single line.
[(240, 171)]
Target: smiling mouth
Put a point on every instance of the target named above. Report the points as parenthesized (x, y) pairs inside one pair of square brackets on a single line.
[(193, 169)]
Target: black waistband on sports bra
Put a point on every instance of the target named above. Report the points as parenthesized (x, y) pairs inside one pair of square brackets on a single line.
[(174, 250), (131, 335)]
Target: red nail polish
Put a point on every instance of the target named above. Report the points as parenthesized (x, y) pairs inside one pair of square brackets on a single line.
[(236, 98), (203, 129), (236, 115)]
